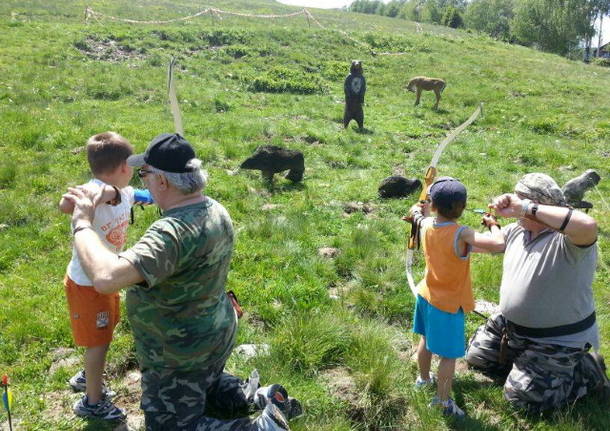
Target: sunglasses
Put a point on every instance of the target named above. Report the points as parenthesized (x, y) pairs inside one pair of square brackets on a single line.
[(143, 172)]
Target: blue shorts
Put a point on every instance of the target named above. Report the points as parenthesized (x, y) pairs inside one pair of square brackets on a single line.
[(444, 331)]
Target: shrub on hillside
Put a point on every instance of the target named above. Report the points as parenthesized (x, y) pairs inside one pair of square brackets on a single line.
[(543, 125), (284, 80), (239, 51), (225, 37), (599, 61), (334, 70), (387, 42)]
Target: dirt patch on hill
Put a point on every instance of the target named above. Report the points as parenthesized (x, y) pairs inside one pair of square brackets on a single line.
[(107, 50)]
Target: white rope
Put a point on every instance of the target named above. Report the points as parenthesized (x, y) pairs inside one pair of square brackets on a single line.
[(90, 13), (95, 14), (248, 15)]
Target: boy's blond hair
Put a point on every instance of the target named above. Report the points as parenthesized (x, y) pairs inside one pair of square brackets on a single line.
[(107, 151)]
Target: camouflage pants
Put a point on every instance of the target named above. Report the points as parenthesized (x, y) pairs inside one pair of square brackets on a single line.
[(177, 401), (538, 376)]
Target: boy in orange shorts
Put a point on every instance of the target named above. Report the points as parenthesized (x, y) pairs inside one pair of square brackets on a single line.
[(93, 316), (445, 293)]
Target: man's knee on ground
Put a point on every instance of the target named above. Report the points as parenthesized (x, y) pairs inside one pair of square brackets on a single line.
[(475, 359)]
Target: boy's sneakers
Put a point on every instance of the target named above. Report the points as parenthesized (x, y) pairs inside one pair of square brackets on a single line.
[(425, 383), (271, 419), (449, 407), (104, 409), (277, 395), (78, 382)]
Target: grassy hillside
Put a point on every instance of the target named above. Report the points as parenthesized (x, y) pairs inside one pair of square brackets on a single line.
[(245, 82)]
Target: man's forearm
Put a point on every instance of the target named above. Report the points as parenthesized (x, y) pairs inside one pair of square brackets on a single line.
[(578, 226), (107, 271), (95, 258)]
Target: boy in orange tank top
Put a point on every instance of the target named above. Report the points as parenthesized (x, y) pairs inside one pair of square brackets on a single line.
[(445, 293)]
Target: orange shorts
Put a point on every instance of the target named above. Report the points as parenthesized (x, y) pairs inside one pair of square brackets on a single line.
[(93, 315)]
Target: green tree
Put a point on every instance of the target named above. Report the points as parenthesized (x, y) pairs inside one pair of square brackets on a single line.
[(452, 17), (490, 16), (392, 9), (432, 11), (366, 6), (411, 10), (553, 25)]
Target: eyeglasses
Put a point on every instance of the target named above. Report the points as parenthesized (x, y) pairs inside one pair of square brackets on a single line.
[(143, 172)]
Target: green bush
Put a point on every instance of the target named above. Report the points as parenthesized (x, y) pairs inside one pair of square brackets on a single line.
[(387, 42), (239, 51), (600, 61), (284, 80), (225, 37), (543, 125)]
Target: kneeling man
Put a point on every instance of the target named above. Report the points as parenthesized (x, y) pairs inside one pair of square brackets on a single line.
[(546, 327)]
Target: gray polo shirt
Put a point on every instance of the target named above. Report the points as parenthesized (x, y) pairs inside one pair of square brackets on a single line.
[(546, 282)]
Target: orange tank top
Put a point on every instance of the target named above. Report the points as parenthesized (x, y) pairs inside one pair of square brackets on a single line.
[(447, 284)]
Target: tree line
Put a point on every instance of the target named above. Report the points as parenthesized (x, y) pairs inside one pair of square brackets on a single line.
[(564, 27)]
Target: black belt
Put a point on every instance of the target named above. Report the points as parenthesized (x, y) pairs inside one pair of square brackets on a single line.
[(555, 331)]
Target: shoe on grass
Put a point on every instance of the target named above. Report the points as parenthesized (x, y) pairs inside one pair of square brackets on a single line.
[(278, 396), (425, 383), (271, 419), (449, 407), (104, 409), (251, 385), (78, 383)]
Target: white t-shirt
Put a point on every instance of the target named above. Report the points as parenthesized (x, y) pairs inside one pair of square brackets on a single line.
[(110, 223)]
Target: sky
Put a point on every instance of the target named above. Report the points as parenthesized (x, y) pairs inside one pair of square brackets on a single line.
[(331, 4)]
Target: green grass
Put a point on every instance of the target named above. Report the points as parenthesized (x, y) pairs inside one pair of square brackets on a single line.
[(245, 82)]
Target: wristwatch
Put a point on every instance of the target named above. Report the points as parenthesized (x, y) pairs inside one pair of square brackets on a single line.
[(117, 197)]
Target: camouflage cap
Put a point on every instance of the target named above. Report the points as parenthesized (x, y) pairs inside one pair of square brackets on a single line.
[(540, 188)]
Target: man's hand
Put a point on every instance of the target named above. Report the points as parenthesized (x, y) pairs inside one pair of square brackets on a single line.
[(507, 205), (91, 190), (488, 220), (84, 202), (420, 207)]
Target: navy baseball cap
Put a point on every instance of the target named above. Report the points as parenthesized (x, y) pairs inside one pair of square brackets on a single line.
[(169, 152), (446, 190)]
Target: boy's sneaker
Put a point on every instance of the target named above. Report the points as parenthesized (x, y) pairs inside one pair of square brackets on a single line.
[(104, 409), (449, 407), (78, 382), (278, 396), (271, 419), (425, 383)]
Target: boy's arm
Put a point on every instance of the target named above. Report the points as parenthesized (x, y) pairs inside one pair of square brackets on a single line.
[(91, 189), (485, 243)]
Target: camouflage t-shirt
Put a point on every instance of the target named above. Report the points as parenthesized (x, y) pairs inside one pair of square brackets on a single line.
[(180, 315)]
